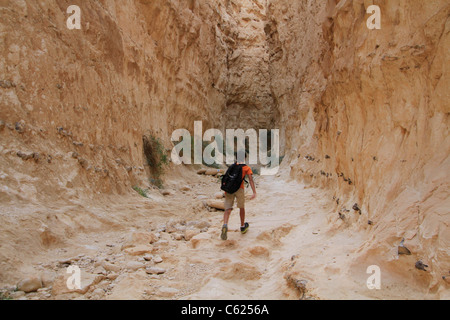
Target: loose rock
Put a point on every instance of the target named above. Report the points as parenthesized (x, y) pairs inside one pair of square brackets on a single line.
[(29, 285), (155, 270), (219, 195), (220, 205), (421, 266), (139, 250), (134, 265), (190, 233)]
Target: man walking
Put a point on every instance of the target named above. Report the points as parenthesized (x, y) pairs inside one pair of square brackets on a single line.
[(234, 179)]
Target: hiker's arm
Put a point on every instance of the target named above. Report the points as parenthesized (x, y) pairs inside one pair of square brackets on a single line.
[(252, 184)]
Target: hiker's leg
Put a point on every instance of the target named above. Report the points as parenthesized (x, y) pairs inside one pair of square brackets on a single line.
[(226, 216), (229, 203), (240, 196), (242, 212)]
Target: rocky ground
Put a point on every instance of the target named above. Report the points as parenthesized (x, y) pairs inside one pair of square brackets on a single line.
[(173, 251)]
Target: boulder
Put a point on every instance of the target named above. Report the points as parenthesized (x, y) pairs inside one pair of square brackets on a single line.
[(220, 205), (214, 172), (30, 284)]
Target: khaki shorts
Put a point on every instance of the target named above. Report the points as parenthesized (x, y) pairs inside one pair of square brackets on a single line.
[(239, 195)]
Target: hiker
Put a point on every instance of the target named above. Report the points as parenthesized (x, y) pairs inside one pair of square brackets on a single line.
[(233, 185)]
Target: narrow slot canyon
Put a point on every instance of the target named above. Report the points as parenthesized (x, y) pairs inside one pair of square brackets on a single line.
[(87, 171)]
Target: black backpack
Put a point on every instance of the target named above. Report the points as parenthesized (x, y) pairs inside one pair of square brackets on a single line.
[(232, 180)]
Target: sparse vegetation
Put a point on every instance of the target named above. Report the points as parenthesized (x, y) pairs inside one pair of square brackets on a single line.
[(141, 191), (156, 158), (4, 295), (157, 183)]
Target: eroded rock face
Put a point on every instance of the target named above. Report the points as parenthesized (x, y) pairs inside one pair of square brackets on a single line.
[(365, 113), (132, 68), (362, 112), (250, 103)]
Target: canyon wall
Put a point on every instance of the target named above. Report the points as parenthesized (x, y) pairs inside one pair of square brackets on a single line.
[(75, 104), (250, 103), (363, 113), (366, 114)]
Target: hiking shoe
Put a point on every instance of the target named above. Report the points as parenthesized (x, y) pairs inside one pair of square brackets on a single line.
[(224, 236), (244, 229)]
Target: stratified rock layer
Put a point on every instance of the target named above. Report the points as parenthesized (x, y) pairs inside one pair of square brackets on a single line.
[(363, 113), (366, 115)]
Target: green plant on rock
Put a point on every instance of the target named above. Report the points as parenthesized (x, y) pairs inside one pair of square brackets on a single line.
[(156, 157), (141, 191), (157, 183)]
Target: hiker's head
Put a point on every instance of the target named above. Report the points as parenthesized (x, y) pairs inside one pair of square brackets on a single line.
[(240, 158)]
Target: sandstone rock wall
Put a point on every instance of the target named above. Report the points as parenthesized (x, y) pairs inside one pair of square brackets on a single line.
[(250, 102), (366, 115), (78, 102)]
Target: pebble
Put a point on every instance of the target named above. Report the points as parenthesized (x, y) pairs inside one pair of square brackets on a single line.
[(148, 257), (155, 270), (178, 236), (168, 292), (20, 126), (134, 265)]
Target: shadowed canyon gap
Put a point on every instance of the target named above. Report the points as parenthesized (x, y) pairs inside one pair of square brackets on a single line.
[(363, 116)]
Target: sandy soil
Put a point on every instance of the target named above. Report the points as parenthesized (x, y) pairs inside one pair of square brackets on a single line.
[(293, 250)]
